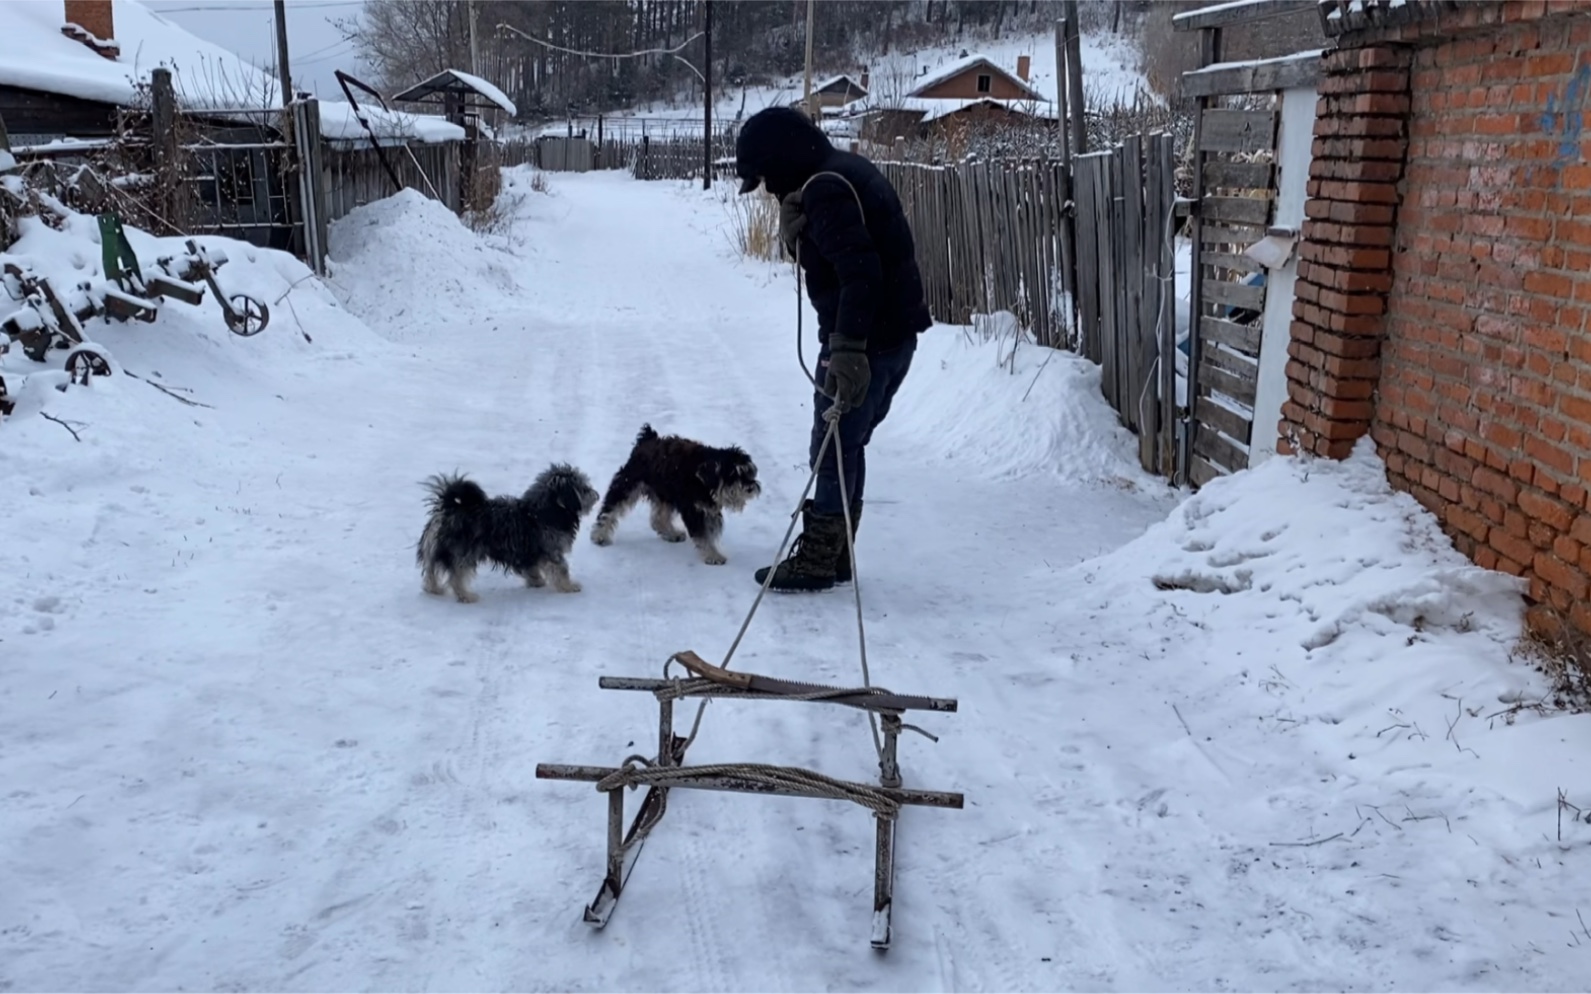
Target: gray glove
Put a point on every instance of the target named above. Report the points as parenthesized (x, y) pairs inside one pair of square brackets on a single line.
[(791, 221), (849, 372)]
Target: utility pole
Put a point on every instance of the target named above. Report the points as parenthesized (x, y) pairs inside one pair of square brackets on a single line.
[(806, 96), (281, 52), (475, 53), (707, 99), (1074, 80)]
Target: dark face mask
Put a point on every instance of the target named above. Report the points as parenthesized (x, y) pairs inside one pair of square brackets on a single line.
[(782, 186)]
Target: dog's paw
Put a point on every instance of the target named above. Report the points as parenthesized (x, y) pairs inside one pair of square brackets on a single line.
[(535, 580), (600, 538), (572, 587), (469, 597), (672, 536), (714, 558)]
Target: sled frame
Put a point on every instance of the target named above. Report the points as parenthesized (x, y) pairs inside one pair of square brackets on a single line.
[(624, 845)]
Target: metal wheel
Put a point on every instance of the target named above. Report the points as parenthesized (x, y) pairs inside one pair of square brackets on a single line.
[(82, 364), (246, 316)]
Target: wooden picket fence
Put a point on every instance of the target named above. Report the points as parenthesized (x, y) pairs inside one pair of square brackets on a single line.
[(990, 237), (1126, 288), (677, 158)]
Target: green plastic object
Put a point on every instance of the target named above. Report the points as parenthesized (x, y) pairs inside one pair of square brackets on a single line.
[(120, 262)]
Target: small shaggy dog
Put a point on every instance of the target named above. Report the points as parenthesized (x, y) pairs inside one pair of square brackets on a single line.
[(529, 536), (680, 476)]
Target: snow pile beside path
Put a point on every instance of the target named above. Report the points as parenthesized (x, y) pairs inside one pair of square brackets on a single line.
[(1323, 566), (182, 390), (1343, 553), (961, 406), (413, 271), (1305, 609), (1325, 692), (188, 345)]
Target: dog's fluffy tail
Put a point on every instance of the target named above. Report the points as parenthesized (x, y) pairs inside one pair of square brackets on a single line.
[(646, 434), (454, 492)]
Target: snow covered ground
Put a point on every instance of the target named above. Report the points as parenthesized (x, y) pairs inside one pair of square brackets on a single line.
[(1247, 739)]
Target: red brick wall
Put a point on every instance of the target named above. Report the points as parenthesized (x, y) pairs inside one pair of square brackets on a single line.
[(93, 16), (1484, 408), (1339, 311)]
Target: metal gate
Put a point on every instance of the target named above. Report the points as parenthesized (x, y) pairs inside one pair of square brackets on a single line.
[(238, 177)]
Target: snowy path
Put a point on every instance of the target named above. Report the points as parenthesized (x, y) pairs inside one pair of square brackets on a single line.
[(243, 751)]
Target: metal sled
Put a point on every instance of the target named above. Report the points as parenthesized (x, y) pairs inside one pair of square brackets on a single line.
[(668, 771)]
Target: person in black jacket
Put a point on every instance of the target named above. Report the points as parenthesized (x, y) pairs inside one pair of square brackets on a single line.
[(842, 221)]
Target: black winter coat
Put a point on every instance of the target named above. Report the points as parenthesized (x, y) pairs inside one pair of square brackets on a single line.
[(860, 265)]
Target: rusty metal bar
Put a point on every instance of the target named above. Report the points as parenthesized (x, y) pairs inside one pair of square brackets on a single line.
[(725, 782), (868, 702), (665, 733), (884, 884), (888, 765)]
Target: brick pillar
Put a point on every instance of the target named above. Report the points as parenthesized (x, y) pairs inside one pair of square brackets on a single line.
[(1345, 258), (95, 23)]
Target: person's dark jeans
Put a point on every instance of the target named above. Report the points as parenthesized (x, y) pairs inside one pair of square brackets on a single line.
[(856, 426)]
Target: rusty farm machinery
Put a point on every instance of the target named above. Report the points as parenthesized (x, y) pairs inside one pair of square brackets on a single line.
[(49, 319)]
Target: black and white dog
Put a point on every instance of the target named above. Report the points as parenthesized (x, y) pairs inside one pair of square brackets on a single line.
[(529, 535), (684, 477)]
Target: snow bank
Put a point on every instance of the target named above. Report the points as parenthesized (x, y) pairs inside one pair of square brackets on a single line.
[(413, 271), (1307, 598), (1324, 551), (1330, 707), (962, 407), (183, 379)]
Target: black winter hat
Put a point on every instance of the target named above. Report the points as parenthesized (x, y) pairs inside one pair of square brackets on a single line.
[(779, 146)]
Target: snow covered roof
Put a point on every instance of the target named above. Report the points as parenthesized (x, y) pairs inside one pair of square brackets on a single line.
[(934, 108), (454, 80), (823, 85), (339, 122), (35, 55), (960, 66)]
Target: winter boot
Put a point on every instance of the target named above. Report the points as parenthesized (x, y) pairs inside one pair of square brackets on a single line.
[(842, 563), (810, 565)]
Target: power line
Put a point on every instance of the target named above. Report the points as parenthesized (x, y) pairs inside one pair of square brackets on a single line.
[(310, 57), (670, 52), (312, 5)]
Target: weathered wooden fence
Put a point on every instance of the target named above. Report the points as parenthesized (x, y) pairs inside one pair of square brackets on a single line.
[(679, 158), (565, 155), (355, 176), (1244, 193), (1126, 289), (989, 238)]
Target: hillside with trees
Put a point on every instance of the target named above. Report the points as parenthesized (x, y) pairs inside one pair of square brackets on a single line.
[(528, 47)]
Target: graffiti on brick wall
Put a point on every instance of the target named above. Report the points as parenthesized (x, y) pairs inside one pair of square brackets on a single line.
[(1563, 118)]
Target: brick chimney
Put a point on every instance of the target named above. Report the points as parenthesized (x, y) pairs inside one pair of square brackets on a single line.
[(92, 23), (1023, 63), (863, 81)]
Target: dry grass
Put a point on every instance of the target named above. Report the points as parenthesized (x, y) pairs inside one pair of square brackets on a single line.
[(1563, 654), (753, 223)]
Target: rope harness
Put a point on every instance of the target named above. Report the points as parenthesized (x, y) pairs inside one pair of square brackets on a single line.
[(637, 771)]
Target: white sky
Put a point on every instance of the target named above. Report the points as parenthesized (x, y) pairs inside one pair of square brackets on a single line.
[(314, 45)]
